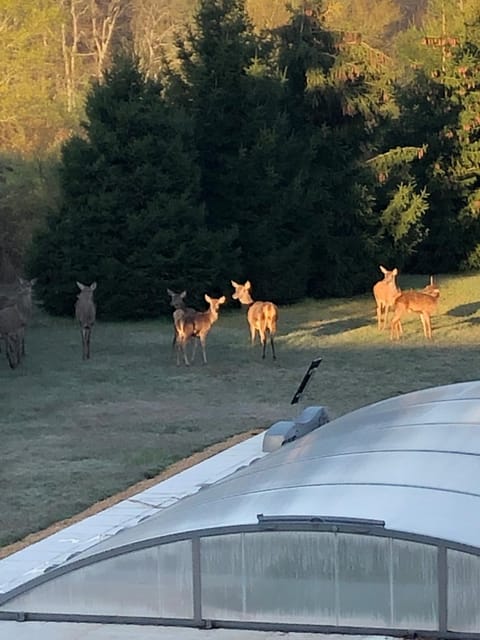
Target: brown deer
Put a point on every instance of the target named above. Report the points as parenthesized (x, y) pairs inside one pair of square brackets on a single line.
[(385, 292), (14, 317), (24, 303), (423, 302), (177, 301), (85, 312), (261, 316), (195, 325)]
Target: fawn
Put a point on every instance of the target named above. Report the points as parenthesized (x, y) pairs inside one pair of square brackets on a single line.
[(423, 302), (195, 325)]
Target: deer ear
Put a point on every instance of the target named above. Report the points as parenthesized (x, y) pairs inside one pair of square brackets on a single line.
[(80, 285), (93, 286), (247, 284), (234, 284), (183, 294), (222, 300), (33, 281), (170, 292), (395, 272), (382, 269), (207, 298)]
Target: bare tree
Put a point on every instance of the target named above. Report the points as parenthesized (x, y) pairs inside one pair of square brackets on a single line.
[(103, 16)]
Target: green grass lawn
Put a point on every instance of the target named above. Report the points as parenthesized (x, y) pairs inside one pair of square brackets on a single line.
[(74, 432)]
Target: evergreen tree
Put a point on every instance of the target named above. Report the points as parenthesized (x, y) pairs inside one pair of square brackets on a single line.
[(251, 160), (332, 106), (439, 108), (132, 218)]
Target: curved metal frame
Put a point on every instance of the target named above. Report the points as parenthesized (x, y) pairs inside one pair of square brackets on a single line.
[(317, 524)]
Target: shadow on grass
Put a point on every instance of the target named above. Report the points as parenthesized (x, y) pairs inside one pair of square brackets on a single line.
[(334, 327), (464, 310), (470, 322)]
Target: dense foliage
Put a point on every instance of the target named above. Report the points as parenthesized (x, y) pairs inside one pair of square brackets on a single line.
[(297, 156)]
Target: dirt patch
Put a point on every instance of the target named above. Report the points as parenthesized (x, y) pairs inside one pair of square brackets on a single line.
[(172, 470)]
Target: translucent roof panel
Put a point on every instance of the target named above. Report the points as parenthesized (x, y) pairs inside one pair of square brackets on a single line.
[(409, 461)]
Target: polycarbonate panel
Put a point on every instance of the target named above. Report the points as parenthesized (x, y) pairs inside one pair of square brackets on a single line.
[(414, 585), (363, 570), (463, 591), (151, 582), (269, 577)]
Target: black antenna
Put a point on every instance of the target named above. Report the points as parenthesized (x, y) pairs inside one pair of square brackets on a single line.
[(306, 379)]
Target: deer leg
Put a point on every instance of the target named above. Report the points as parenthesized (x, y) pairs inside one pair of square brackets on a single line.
[(178, 348), (252, 335), (22, 340), (82, 331), (263, 341), (394, 332), (429, 324), (203, 340), (11, 350), (427, 328), (386, 309), (183, 344), (273, 346), (194, 350), (85, 343)]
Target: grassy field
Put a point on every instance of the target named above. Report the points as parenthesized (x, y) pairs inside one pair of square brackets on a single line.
[(75, 432)]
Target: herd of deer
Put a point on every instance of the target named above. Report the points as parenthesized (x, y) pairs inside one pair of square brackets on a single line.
[(191, 325)]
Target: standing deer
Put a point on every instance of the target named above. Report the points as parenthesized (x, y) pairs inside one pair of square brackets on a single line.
[(85, 312), (423, 302), (385, 292), (14, 316), (177, 301), (261, 316), (25, 304), (195, 325)]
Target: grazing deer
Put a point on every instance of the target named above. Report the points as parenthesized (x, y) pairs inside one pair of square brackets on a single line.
[(85, 312), (261, 316), (385, 292), (423, 302), (195, 325), (14, 316)]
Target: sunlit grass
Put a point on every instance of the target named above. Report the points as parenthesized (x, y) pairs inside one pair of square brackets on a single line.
[(74, 432)]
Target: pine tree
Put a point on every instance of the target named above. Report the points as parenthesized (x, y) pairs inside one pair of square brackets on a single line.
[(132, 218)]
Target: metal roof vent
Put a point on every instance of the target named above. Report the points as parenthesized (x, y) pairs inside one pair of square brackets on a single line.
[(288, 430)]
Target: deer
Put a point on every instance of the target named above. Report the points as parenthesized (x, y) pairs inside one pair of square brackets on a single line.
[(14, 317), (195, 325), (385, 292), (261, 316), (177, 301), (423, 302), (24, 304), (85, 312)]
